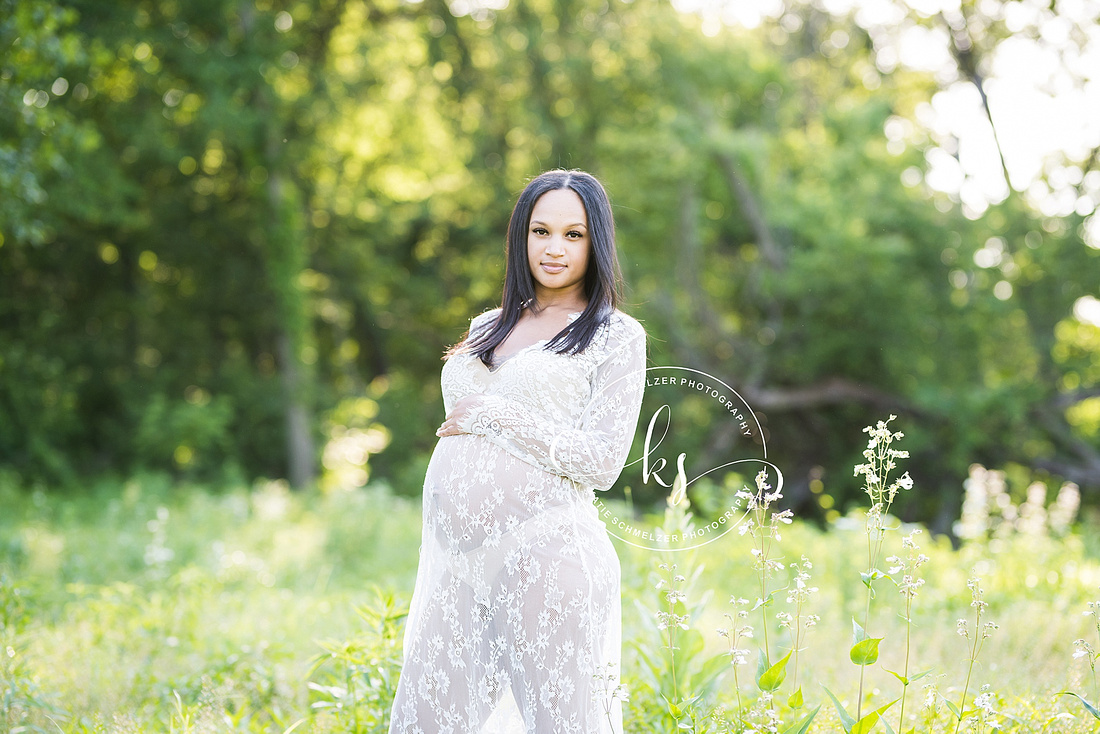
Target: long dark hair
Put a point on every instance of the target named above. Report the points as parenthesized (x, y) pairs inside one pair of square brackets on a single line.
[(602, 278)]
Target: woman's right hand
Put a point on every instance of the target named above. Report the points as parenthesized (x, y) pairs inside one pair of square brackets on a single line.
[(457, 415)]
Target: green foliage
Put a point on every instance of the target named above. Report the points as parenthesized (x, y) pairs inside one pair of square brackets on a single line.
[(863, 725), (238, 600), (355, 680), (678, 675), (190, 434), (284, 205), (802, 726)]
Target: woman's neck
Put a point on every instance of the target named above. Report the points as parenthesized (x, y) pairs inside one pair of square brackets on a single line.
[(567, 302)]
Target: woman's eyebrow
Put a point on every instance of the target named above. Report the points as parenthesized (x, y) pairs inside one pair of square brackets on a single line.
[(575, 224)]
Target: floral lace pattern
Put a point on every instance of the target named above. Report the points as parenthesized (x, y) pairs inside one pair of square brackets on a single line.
[(516, 605)]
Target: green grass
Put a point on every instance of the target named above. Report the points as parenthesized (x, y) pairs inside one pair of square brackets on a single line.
[(155, 607)]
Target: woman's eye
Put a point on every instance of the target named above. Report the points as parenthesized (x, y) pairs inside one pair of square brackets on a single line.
[(539, 231), (576, 235)]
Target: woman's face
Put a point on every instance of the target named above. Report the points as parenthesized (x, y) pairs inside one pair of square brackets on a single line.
[(557, 244)]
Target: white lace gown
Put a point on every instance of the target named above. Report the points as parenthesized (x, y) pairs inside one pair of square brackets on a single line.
[(516, 604)]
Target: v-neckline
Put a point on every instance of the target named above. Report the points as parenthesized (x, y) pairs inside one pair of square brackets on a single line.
[(510, 357), (521, 350)]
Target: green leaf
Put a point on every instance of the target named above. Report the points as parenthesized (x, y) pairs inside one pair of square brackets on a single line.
[(801, 726), (911, 680), (773, 676), (954, 709), (766, 601), (762, 665), (865, 652), (904, 681), (867, 723), (795, 701), (868, 577), (916, 677), (858, 633), (1091, 709), (846, 719)]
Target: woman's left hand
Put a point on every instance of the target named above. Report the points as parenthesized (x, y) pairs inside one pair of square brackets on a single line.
[(457, 415)]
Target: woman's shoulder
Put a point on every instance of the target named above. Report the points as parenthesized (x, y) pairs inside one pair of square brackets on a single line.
[(485, 318), (626, 325), (617, 331)]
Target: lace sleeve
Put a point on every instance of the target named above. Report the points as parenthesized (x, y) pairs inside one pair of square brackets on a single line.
[(592, 453)]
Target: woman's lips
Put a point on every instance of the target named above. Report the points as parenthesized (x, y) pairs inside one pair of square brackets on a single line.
[(552, 267)]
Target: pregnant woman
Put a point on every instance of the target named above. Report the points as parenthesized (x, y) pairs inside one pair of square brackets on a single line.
[(514, 624)]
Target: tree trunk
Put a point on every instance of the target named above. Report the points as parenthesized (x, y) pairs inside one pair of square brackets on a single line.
[(301, 466), (286, 257)]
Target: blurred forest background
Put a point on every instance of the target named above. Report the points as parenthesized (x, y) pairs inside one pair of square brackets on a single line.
[(237, 235)]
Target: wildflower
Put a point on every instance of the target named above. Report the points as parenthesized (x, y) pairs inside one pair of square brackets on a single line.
[(609, 691), (976, 595), (662, 620), (896, 566), (1084, 649), (668, 619), (738, 656), (961, 629), (983, 707)]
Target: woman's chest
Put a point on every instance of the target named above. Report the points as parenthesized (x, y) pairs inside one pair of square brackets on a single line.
[(543, 381)]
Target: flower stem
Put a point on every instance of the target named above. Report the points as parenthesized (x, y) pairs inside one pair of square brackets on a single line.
[(871, 557), (905, 670), (975, 648), (764, 594), (1092, 663)]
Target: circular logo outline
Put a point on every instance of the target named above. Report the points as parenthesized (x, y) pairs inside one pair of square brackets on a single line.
[(612, 522)]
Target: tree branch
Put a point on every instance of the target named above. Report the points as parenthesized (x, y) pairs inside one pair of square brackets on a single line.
[(962, 49), (750, 207), (831, 391), (1066, 400)]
